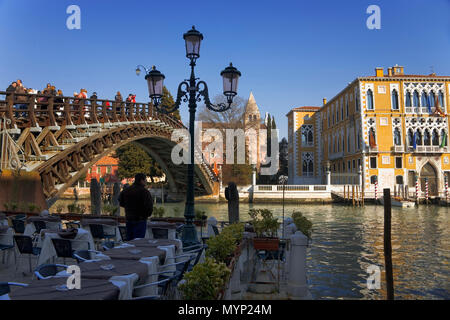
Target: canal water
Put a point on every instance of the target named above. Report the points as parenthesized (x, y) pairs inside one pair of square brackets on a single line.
[(347, 240)]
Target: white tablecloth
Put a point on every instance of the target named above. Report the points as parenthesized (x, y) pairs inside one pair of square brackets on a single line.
[(48, 250), (30, 229), (7, 237)]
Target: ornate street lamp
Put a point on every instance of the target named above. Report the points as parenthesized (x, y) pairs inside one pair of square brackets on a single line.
[(191, 91), (283, 180)]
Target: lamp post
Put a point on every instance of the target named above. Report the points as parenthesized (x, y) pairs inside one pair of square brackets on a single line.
[(191, 91), (282, 180)]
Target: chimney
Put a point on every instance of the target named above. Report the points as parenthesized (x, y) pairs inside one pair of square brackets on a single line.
[(390, 72), (324, 101), (379, 72)]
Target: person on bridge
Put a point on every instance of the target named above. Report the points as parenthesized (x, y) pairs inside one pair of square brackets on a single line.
[(138, 204)]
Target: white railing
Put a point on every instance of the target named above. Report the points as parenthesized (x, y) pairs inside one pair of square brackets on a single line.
[(399, 149), (292, 188), (428, 149)]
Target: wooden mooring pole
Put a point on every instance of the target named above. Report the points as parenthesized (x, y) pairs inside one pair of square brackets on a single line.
[(388, 245)]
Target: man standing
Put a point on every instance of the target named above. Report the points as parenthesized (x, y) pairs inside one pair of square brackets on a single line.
[(138, 204)]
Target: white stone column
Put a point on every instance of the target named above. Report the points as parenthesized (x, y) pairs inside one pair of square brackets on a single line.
[(328, 177), (297, 286), (360, 177)]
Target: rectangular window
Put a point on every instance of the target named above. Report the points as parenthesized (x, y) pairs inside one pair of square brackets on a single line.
[(373, 162), (411, 178), (349, 166), (109, 169), (359, 163), (354, 164), (398, 163), (99, 170)]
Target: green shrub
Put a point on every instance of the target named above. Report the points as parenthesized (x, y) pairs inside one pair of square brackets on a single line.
[(176, 211), (199, 214), (263, 222), (221, 247), (302, 223), (236, 230), (32, 207), (159, 212), (109, 208), (59, 208), (205, 281)]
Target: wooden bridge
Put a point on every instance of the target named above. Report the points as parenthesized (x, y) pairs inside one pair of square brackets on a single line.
[(62, 137)]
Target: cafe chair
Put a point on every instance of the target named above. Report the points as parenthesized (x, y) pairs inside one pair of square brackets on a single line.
[(72, 225), (5, 288), (39, 225), (160, 233), (98, 233), (63, 248), (179, 231), (107, 245), (47, 271), (85, 255), (25, 246), (194, 252), (163, 286), (123, 233), (18, 225)]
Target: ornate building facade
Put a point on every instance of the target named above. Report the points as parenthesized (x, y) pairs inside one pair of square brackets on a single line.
[(393, 127)]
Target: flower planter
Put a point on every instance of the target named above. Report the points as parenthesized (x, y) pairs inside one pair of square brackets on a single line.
[(268, 244)]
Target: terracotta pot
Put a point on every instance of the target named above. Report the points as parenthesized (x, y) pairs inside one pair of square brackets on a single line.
[(268, 244)]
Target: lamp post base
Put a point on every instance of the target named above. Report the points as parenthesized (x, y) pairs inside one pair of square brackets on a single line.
[(189, 236)]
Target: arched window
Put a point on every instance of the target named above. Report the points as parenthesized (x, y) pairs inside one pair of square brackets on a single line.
[(372, 138), (369, 99), (399, 179), (435, 137), (346, 108), (408, 99), (416, 99), (424, 100), (343, 144), (342, 112), (356, 101), (410, 137), (308, 164), (397, 137), (394, 100), (441, 99), (373, 179), (418, 137), (431, 99), (358, 141), (444, 138), (426, 138), (348, 143), (310, 138)]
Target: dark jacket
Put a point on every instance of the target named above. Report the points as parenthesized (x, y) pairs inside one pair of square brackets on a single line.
[(137, 201)]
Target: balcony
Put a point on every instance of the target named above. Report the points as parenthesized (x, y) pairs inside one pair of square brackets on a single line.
[(399, 149), (372, 149), (428, 149)]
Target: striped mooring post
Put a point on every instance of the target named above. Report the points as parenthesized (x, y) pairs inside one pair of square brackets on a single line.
[(417, 190), (426, 189), (446, 189), (376, 191)]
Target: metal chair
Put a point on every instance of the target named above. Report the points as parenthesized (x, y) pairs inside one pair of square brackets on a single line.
[(123, 233), (25, 246), (163, 286), (160, 233), (18, 225), (5, 289), (195, 252), (179, 231), (84, 255), (39, 225), (108, 245), (63, 248), (98, 233), (47, 271), (215, 229), (72, 225)]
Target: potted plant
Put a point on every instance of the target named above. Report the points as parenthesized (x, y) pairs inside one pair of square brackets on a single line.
[(302, 223), (265, 227)]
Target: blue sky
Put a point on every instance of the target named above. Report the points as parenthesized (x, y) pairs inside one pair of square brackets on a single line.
[(290, 53)]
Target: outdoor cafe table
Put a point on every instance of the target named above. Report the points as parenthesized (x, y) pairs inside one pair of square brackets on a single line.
[(91, 289), (157, 243), (134, 253), (51, 223), (170, 227), (82, 241), (6, 236)]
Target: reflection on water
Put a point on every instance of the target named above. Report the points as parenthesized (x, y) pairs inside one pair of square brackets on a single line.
[(347, 240)]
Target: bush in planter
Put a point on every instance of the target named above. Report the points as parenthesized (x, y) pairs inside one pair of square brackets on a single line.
[(263, 222), (205, 281), (221, 247), (159, 212), (109, 209), (236, 230), (302, 223), (59, 209)]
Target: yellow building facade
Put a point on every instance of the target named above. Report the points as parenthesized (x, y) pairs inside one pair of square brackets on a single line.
[(391, 128)]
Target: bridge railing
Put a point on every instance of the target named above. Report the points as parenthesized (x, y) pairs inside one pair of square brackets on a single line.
[(39, 110)]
